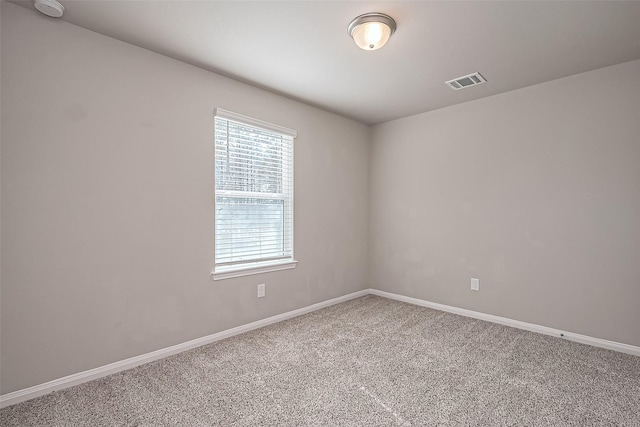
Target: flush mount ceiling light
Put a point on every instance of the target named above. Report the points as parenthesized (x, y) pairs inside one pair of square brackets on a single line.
[(49, 7), (371, 31)]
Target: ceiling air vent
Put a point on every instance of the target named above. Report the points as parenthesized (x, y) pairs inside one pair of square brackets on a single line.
[(466, 81)]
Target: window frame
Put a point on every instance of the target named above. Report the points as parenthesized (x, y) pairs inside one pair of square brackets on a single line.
[(238, 269)]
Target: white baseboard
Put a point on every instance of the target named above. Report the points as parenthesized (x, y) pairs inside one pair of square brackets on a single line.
[(112, 368), (583, 339)]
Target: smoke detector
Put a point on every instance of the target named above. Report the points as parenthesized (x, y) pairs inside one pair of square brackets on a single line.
[(49, 7), (466, 81)]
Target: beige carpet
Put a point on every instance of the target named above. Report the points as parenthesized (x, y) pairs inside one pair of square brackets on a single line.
[(366, 362)]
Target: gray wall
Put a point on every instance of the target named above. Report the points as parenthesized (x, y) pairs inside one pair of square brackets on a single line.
[(536, 192), (107, 202)]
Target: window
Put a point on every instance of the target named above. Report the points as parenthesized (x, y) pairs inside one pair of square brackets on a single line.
[(253, 196)]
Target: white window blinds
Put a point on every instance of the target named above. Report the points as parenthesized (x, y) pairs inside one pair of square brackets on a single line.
[(253, 191)]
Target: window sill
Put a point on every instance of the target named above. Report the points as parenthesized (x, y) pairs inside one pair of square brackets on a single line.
[(257, 269)]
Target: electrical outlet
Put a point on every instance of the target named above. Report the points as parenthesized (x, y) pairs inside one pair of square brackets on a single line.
[(261, 290), (475, 284)]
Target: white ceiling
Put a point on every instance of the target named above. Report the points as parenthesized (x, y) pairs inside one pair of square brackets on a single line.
[(301, 49)]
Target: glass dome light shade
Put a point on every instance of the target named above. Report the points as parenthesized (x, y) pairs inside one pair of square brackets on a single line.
[(371, 31)]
